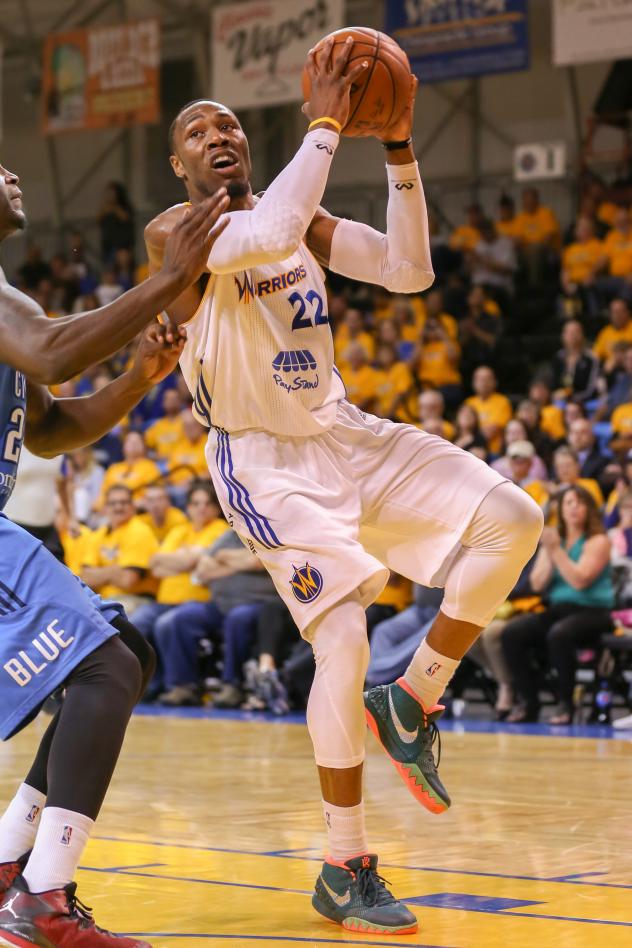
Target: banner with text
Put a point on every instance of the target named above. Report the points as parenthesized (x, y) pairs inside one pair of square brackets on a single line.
[(259, 48), (591, 31), (457, 39), (100, 77)]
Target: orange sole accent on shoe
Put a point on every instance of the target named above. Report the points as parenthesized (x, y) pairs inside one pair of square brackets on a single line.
[(420, 794), (373, 931)]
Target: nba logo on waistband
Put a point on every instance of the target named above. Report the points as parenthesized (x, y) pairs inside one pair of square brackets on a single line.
[(432, 670), (31, 816), (66, 836)]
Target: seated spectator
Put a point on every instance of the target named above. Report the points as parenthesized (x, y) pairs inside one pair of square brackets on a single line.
[(506, 222), (621, 425), (538, 235), (581, 263), (617, 257), (493, 263), (361, 379), (468, 433), (407, 317), (388, 334), (519, 463), (623, 483), (621, 551), (588, 209), (431, 408), (436, 362), (352, 330), (187, 458), (395, 640), (529, 414), (574, 368), (116, 563), (86, 477), (614, 384), (551, 418), (573, 569), (239, 585), (434, 308), (173, 564), (619, 330), (494, 410), (468, 235), (573, 411), (165, 432), (582, 440), (394, 380), (276, 639), (479, 331), (567, 474), (135, 471), (158, 512), (109, 288)]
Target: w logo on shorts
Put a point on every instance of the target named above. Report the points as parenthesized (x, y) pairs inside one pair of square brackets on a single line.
[(306, 583)]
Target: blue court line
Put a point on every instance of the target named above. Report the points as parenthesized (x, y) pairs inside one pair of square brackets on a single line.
[(461, 726), (576, 875), (289, 852), (168, 878), (144, 865), (387, 865), (312, 941), (563, 918)]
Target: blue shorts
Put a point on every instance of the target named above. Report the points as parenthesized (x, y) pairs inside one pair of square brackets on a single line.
[(49, 622)]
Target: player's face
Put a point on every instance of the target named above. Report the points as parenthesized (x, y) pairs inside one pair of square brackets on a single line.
[(12, 216), (211, 151)]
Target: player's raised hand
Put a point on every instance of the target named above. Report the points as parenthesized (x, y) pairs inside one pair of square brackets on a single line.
[(331, 81), (189, 244), (158, 353), (402, 128)]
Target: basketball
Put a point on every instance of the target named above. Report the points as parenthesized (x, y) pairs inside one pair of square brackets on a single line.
[(379, 96)]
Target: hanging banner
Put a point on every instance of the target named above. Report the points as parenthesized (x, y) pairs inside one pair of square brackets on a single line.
[(456, 39), (258, 49), (587, 31), (101, 77)]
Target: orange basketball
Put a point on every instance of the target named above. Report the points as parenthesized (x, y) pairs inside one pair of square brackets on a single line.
[(379, 96)]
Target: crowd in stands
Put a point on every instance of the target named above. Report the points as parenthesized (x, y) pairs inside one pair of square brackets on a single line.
[(520, 353)]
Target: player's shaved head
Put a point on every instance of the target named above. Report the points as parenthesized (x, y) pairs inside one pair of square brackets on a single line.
[(188, 113)]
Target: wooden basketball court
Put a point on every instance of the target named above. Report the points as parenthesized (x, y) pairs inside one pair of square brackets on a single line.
[(211, 835)]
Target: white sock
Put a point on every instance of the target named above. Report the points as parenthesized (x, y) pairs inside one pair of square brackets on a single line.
[(59, 845), (346, 831), (19, 822), (429, 673)]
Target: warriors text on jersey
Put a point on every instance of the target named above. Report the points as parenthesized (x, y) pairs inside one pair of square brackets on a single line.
[(12, 417), (260, 352)]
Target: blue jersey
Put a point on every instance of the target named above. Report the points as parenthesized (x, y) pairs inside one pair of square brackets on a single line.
[(12, 418)]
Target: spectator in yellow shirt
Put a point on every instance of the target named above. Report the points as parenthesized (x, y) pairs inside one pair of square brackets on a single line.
[(116, 560), (187, 458), (159, 514), (538, 235), (467, 236), (136, 471), (617, 259), (163, 434), (582, 260), (434, 308), (506, 222), (437, 362), (394, 380), (551, 420), (493, 409), (175, 560), (361, 380), (352, 330), (619, 330), (431, 409), (621, 424)]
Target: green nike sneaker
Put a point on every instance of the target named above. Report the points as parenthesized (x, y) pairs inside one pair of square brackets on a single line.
[(353, 895), (407, 732)]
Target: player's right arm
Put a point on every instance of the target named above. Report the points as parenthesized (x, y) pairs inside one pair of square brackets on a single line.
[(48, 351)]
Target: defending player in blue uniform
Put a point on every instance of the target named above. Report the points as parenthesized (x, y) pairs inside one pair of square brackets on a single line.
[(53, 630)]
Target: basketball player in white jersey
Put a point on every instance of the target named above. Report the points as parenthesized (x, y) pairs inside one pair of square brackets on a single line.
[(327, 496)]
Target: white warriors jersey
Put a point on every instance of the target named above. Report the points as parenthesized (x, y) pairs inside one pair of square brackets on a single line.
[(259, 353)]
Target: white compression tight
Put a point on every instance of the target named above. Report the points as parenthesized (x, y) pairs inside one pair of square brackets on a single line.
[(499, 542), (335, 710)]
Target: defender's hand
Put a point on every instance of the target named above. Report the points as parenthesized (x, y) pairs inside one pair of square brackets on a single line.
[(330, 83), (189, 243), (158, 353), (402, 127)]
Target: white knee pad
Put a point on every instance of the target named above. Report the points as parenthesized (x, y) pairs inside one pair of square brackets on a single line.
[(335, 711), (500, 540)]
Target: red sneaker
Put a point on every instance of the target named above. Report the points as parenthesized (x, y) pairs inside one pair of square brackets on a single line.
[(9, 871), (54, 919)]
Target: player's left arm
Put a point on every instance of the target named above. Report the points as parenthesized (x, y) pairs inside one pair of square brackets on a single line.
[(55, 425), (400, 259)]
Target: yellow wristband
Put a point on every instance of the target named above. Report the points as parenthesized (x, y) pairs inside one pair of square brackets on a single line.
[(325, 118)]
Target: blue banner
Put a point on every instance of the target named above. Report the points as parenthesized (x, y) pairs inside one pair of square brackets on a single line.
[(457, 39)]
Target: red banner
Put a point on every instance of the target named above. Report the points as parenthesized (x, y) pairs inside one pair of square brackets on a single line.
[(101, 77)]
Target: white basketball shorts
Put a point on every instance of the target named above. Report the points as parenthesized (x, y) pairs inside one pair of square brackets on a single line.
[(332, 513)]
